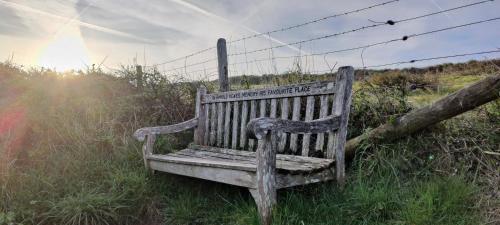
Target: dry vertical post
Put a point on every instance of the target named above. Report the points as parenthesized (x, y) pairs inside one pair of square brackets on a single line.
[(227, 121), (213, 123), (284, 115), (274, 106), (253, 115), (295, 117), (322, 114), (199, 134), (262, 110), (147, 149), (139, 76), (220, 123), (236, 114), (341, 105), (222, 60), (243, 132), (207, 124), (265, 193), (308, 117)]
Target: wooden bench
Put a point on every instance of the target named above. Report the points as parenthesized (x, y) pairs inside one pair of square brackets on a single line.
[(274, 148)]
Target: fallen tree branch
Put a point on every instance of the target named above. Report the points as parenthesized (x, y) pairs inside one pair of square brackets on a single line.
[(454, 104)]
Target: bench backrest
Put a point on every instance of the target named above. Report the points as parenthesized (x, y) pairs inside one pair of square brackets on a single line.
[(223, 116)]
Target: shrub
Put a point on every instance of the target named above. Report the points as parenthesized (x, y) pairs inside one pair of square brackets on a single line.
[(375, 105)]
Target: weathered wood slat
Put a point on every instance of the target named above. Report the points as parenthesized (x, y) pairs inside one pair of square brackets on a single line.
[(265, 195), (262, 109), (274, 107), (240, 162), (140, 134), (227, 124), (320, 140), (253, 115), (220, 123), (341, 107), (308, 117), (243, 127), (203, 162), (295, 117), (283, 166), (207, 124), (234, 134), (284, 115), (147, 149), (296, 90), (200, 114), (229, 154), (258, 128), (294, 158), (213, 123), (238, 177), (227, 176)]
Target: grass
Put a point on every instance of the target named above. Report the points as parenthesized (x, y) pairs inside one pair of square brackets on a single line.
[(67, 157)]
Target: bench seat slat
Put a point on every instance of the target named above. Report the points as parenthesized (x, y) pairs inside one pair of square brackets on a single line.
[(241, 160), (233, 155)]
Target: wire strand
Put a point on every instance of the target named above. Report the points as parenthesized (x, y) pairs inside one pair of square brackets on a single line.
[(314, 21), (389, 22), (404, 38), (432, 58)]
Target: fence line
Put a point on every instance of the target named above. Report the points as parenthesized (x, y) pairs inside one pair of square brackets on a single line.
[(313, 21), (279, 30), (389, 22), (272, 58), (404, 38), (432, 58)]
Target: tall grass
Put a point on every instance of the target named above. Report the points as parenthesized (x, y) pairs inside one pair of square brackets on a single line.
[(68, 157)]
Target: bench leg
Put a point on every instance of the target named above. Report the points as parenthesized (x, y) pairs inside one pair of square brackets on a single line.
[(265, 193), (265, 204)]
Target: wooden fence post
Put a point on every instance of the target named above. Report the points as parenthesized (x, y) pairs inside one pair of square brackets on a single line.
[(138, 75), (222, 60)]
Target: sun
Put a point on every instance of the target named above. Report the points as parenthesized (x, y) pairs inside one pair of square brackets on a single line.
[(65, 52)]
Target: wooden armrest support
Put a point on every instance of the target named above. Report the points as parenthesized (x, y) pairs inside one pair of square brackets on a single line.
[(259, 127), (140, 134)]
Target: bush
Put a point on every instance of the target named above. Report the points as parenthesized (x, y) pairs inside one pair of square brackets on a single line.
[(375, 105)]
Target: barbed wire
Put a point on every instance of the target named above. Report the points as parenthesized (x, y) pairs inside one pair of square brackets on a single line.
[(191, 65), (184, 57), (313, 21), (431, 58), (389, 22), (404, 38), (279, 30)]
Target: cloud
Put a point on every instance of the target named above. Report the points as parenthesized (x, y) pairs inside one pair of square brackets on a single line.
[(12, 24), (80, 23), (154, 34), (174, 28)]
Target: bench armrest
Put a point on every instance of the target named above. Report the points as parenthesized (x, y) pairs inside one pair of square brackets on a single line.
[(140, 134), (259, 127)]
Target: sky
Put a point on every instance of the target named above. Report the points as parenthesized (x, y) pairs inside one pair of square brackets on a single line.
[(74, 34)]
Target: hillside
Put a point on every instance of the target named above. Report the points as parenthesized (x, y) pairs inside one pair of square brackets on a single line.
[(67, 155)]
